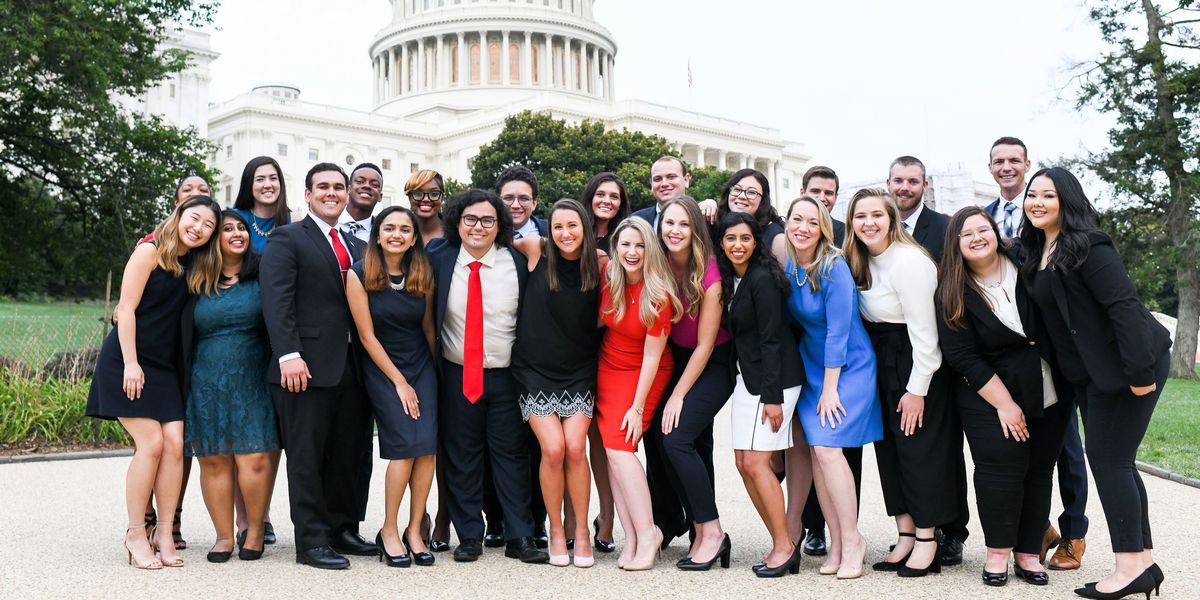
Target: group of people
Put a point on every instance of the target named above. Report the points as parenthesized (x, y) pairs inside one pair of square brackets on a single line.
[(516, 359)]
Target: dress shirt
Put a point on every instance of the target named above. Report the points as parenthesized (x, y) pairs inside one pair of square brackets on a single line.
[(359, 229), (501, 300), (526, 230), (325, 229), (911, 221), (903, 281), (1018, 216)]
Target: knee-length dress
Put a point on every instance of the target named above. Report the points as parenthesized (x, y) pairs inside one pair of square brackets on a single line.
[(397, 317), (621, 355), (555, 356), (157, 343), (229, 409), (834, 337)]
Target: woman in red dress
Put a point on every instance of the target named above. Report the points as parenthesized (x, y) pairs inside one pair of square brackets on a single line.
[(638, 304)]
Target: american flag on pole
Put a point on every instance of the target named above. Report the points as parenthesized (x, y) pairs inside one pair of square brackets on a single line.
[(689, 73)]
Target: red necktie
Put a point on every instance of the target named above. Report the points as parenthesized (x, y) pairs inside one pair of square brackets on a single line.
[(473, 340), (342, 256)]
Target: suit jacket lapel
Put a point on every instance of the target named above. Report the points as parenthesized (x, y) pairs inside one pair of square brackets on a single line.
[(921, 228), (323, 246), (1060, 293)]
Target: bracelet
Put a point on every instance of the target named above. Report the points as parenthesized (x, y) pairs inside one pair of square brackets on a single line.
[(639, 410)]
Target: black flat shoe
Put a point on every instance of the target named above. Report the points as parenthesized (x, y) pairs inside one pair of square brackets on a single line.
[(791, 565), (219, 557), (1032, 577), (322, 557), (995, 579), (268, 533), (935, 565), (468, 550), (814, 543), (723, 554), (606, 547), (349, 542), (245, 553), (422, 559), (1142, 584), (402, 561), (439, 545)]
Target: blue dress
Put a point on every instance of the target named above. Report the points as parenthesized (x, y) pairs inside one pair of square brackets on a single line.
[(260, 228), (834, 336), (229, 409), (397, 318)]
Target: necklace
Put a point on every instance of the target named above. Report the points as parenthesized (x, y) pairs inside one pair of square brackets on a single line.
[(396, 285), (254, 225), (796, 276)]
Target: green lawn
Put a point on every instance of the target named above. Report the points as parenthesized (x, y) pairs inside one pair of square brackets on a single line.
[(32, 333), (1173, 440)]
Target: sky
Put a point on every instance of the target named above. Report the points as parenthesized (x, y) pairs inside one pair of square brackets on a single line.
[(856, 82)]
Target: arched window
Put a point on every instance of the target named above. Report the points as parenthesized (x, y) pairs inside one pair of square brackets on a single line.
[(534, 61), (454, 64), (493, 62), (514, 63)]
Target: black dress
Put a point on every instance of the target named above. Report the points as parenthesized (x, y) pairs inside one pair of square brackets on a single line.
[(397, 317), (157, 338), (558, 341)]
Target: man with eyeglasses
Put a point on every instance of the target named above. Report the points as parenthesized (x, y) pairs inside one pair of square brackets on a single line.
[(669, 179), (480, 284), (517, 187)]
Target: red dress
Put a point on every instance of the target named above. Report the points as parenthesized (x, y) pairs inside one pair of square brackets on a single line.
[(621, 355)]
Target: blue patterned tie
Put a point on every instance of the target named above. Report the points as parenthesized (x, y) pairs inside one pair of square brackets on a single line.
[(1009, 208)]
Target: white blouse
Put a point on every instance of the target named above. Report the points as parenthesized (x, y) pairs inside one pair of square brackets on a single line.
[(903, 282)]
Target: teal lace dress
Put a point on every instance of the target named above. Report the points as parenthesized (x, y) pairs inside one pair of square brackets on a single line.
[(229, 409)]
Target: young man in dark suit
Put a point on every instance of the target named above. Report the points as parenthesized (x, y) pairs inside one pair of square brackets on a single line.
[(669, 179), (313, 375), (480, 283), (1008, 161), (907, 184), (822, 184), (517, 188)]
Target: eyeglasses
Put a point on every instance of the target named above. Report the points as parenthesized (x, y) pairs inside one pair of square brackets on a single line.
[(750, 194), (420, 195), (981, 232), (473, 220), (508, 200)]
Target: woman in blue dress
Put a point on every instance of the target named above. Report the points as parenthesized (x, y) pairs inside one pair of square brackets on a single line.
[(262, 199), (839, 404), (230, 424), (390, 292)]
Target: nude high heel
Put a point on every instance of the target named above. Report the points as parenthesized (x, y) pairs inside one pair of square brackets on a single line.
[(153, 565)]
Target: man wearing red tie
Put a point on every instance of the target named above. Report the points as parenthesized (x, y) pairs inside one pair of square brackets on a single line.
[(312, 373), (480, 281)]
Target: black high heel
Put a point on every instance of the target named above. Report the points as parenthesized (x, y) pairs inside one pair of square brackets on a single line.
[(1032, 577), (892, 567), (422, 559), (935, 566), (1157, 573), (402, 561), (1142, 584), (723, 555), (791, 565), (606, 547)]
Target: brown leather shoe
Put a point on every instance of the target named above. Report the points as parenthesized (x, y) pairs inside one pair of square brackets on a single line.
[(1050, 539), (1068, 555)]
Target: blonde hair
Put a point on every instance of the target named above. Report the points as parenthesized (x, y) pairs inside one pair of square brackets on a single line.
[(700, 251), (659, 286), (204, 270), (422, 177), (857, 255), (826, 253)]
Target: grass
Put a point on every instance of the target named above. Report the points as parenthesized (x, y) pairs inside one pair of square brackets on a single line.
[(35, 412), (1173, 439), (33, 332)]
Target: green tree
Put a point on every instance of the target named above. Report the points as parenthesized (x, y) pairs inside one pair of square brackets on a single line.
[(99, 174), (564, 157), (1150, 82)]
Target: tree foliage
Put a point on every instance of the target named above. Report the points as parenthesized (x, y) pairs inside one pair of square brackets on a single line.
[(564, 156), (1149, 80), (88, 176)]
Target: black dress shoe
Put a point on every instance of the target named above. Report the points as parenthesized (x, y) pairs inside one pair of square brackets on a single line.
[(670, 533), (952, 550), (322, 557), (468, 551), (995, 579), (526, 550), (349, 542), (1032, 577), (439, 545), (540, 538), (814, 543), (494, 538)]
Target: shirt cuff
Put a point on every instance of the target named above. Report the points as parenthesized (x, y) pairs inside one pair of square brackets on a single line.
[(288, 356)]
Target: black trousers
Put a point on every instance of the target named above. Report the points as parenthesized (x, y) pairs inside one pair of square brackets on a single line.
[(812, 518), (1115, 425), (321, 431), (366, 462), (957, 527), (1073, 482), (689, 447), (467, 429), (667, 507), (1013, 480), (494, 512)]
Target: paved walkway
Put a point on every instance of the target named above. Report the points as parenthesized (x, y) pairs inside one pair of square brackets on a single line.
[(62, 526)]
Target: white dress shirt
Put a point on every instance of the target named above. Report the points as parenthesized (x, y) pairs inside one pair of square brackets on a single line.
[(911, 221), (903, 282), (501, 299), (359, 229)]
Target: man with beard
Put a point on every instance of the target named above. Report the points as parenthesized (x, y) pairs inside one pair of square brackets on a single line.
[(907, 184)]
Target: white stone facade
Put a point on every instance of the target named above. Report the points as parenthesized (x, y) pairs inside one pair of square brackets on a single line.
[(949, 191), (181, 98)]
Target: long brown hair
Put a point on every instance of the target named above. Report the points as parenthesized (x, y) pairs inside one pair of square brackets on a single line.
[(857, 255), (589, 262), (955, 276), (826, 253), (700, 250), (418, 274), (204, 262)]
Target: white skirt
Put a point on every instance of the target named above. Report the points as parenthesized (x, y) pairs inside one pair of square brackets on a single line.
[(746, 419)]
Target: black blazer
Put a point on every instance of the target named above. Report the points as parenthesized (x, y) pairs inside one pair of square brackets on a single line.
[(442, 260), (839, 233), (766, 350), (304, 301), (646, 214), (984, 347), (1118, 340), (930, 232)]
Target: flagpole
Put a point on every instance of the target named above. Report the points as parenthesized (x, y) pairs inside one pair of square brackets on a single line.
[(691, 106)]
